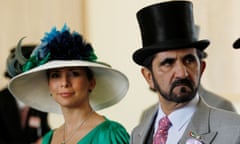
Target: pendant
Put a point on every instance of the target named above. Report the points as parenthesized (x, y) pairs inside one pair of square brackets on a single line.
[(63, 142)]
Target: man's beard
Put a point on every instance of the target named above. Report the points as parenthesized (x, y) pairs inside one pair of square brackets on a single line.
[(186, 96)]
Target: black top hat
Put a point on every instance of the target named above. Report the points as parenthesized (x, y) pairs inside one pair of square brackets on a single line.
[(236, 44), (167, 26)]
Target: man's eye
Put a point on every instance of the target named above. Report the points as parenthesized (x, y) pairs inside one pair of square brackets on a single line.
[(190, 59), (166, 65), (167, 62)]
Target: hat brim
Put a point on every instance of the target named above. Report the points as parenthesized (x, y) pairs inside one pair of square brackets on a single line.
[(31, 87), (141, 54)]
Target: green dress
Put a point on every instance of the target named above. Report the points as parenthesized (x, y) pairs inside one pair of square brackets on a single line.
[(108, 132)]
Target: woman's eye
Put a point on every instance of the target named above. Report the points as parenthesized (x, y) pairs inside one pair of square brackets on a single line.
[(54, 75), (74, 73)]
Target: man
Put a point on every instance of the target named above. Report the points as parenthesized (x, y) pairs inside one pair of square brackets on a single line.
[(171, 64), (210, 98), (19, 124)]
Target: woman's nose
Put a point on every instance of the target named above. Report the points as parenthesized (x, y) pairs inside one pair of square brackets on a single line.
[(64, 82)]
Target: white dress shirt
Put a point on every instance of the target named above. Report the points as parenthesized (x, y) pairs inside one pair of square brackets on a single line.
[(179, 119)]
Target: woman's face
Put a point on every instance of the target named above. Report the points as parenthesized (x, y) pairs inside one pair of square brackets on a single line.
[(70, 86)]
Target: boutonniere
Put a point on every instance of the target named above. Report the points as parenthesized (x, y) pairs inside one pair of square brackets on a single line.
[(194, 139)]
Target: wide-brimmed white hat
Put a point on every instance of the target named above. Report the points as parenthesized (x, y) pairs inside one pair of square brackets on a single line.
[(32, 88), (60, 49)]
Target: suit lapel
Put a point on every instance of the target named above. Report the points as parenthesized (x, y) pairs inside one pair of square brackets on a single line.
[(146, 127), (198, 128)]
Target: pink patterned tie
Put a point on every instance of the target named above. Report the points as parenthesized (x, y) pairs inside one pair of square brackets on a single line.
[(160, 136)]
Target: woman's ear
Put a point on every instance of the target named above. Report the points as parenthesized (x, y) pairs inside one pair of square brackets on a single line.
[(92, 85)]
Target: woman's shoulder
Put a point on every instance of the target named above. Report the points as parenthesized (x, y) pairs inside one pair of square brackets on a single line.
[(113, 131), (47, 137), (112, 124)]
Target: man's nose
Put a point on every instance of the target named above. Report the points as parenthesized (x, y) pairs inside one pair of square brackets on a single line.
[(181, 71)]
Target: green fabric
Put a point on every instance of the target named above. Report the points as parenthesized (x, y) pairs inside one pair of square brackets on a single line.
[(108, 132)]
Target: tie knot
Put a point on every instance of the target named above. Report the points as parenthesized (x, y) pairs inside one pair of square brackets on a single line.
[(164, 123)]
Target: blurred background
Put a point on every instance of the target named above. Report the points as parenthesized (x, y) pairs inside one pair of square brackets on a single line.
[(112, 28)]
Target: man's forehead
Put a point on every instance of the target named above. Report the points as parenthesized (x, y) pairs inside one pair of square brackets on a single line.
[(177, 52)]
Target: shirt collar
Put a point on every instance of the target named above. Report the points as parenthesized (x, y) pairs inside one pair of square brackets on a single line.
[(181, 116)]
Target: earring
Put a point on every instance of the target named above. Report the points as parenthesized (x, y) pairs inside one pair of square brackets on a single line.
[(89, 90)]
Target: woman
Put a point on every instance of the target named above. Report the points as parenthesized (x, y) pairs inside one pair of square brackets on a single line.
[(63, 76)]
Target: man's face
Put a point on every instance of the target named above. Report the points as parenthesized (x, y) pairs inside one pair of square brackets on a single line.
[(176, 74)]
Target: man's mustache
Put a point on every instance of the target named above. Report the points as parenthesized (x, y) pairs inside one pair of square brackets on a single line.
[(179, 82)]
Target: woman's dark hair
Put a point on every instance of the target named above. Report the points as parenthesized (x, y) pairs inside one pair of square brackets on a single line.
[(89, 73)]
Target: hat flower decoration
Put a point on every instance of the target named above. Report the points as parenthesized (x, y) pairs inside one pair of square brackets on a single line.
[(58, 49), (61, 45)]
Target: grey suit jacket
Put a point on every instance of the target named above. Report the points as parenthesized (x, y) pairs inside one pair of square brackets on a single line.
[(213, 126)]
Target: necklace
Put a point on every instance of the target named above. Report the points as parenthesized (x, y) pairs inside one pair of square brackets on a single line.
[(65, 140)]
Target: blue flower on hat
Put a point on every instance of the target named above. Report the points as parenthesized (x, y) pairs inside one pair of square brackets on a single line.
[(60, 45)]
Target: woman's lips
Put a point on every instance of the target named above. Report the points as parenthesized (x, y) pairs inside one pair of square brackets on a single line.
[(66, 94)]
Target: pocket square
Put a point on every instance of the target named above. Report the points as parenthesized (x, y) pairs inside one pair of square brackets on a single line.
[(193, 141)]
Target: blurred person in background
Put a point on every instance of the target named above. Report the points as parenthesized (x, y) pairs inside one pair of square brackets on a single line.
[(19, 124), (210, 97)]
